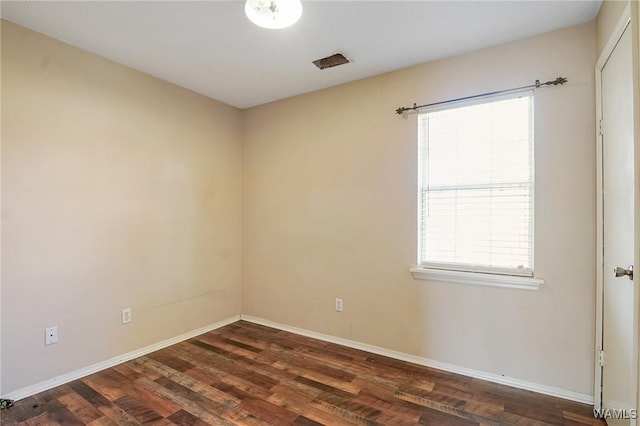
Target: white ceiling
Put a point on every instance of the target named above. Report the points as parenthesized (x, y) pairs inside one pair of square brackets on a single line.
[(210, 47)]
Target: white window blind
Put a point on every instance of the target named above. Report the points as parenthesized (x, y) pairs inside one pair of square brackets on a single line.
[(476, 186)]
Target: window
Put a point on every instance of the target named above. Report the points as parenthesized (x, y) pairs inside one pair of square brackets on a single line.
[(476, 186)]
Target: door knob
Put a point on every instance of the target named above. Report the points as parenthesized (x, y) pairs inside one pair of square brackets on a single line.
[(621, 272)]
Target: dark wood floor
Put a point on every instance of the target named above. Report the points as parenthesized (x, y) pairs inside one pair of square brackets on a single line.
[(246, 374)]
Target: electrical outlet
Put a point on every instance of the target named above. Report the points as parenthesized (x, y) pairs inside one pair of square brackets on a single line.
[(51, 335), (338, 304), (126, 315)]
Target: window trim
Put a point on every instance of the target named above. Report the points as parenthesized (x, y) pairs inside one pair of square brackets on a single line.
[(477, 278), (483, 274), (481, 269)]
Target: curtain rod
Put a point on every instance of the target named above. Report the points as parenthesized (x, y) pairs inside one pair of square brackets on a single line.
[(537, 85)]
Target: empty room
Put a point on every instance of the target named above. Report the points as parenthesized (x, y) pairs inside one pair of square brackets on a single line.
[(275, 212)]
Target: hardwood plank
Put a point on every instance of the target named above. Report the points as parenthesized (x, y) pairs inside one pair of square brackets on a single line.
[(136, 409), (352, 405), (40, 419), (343, 413), (580, 419), (102, 421), (161, 422), (447, 399), (215, 349), (310, 375), (185, 403), (183, 418), (268, 412), (220, 366), (123, 377), (21, 411), (241, 345), (119, 416), (89, 394), (52, 394), (310, 411), (321, 386), (58, 414), (103, 386), (304, 421), (221, 343), (202, 376), (290, 393), (524, 410), (173, 379), (80, 407), (127, 372), (240, 416), (166, 358), (255, 343), (390, 409), (152, 400), (437, 418), (211, 405), (241, 388)]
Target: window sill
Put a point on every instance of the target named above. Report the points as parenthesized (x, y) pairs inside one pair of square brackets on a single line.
[(475, 278)]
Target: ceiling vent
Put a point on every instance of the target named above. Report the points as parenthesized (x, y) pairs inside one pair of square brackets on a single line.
[(331, 61)]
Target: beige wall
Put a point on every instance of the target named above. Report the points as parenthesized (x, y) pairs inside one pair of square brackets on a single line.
[(329, 210), (606, 21), (119, 190)]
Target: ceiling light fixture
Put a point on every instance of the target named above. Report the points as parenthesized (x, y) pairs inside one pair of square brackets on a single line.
[(273, 14)]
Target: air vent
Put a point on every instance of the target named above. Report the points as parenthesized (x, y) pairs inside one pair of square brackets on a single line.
[(331, 61)]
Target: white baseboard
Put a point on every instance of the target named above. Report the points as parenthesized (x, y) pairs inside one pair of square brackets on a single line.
[(495, 378), (77, 374)]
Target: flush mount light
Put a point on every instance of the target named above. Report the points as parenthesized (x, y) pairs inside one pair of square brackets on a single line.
[(273, 14)]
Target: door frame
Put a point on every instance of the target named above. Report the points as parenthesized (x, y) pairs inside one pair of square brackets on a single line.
[(624, 22)]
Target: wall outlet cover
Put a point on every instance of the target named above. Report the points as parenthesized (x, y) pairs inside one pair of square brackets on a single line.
[(51, 335), (126, 315)]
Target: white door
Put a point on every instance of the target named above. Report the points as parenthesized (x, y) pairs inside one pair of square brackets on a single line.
[(618, 385)]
